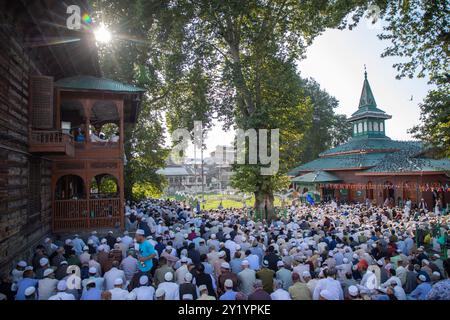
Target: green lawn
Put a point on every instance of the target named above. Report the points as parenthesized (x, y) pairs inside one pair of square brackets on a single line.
[(212, 201)]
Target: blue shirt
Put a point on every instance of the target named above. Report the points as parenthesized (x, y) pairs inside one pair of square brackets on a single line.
[(145, 250), (23, 285), (92, 294), (229, 295), (420, 292)]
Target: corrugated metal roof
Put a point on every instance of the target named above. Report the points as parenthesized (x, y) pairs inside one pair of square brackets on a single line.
[(316, 177), (173, 171), (94, 83), (365, 143)]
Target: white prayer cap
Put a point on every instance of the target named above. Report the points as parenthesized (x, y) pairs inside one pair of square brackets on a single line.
[(227, 236), (89, 281), (202, 287), (118, 282), (90, 241), (184, 260), (185, 236), (380, 262), (118, 239), (426, 261), (63, 262), (353, 291), (169, 248), (374, 245), (103, 241), (238, 247), (437, 274), (68, 241), (127, 213), (143, 280), (420, 249), (160, 292), (48, 272), (76, 235), (355, 256), (22, 264), (94, 232), (437, 256), (213, 236), (47, 240), (29, 291), (280, 264), (85, 248), (125, 232), (28, 268), (327, 295), (92, 270), (345, 260), (422, 278), (110, 232), (228, 283), (225, 265), (306, 274), (222, 254), (265, 263), (188, 277), (140, 232), (43, 262), (62, 285), (245, 263), (331, 254), (187, 296), (168, 276)]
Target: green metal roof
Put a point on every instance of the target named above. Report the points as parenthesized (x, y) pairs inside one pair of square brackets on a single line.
[(403, 162), (316, 177), (94, 83), (361, 144)]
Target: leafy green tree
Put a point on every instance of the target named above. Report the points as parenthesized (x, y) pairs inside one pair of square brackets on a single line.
[(231, 60), (419, 35)]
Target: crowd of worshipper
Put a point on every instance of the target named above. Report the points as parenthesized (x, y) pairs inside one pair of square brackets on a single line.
[(170, 251)]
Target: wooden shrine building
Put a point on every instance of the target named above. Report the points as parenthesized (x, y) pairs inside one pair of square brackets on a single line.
[(371, 166), (61, 129)]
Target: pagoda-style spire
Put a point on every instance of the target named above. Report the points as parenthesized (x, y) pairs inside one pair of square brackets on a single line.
[(367, 99)]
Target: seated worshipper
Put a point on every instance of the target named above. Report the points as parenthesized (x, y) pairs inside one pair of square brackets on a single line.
[(47, 285), (62, 294), (229, 293), (329, 284), (258, 292), (144, 291), (202, 278), (422, 289), (279, 293), (266, 275), (187, 287), (96, 135), (99, 281), (30, 293), (129, 265), (113, 274), (91, 292), (247, 278), (161, 271), (441, 289), (118, 293), (171, 289), (27, 281), (204, 293), (299, 290)]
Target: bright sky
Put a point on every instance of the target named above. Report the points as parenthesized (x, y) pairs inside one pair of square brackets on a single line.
[(336, 61)]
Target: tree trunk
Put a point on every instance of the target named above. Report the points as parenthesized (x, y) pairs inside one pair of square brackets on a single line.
[(270, 212), (259, 205)]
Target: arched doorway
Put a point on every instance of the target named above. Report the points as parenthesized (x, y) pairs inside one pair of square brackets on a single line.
[(369, 190), (70, 187), (104, 186), (388, 192)]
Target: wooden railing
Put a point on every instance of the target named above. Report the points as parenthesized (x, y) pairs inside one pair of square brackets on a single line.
[(86, 214), (44, 141), (49, 137)]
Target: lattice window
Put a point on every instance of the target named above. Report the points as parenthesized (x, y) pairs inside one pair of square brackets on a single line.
[(41, 102)]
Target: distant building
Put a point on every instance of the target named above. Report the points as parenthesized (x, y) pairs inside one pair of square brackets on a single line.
[(182, 178), (374, 167)]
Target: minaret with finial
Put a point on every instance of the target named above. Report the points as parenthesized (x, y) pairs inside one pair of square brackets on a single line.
[(368, 120)]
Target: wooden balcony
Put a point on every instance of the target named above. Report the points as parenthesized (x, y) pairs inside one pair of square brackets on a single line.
[(51, 143), (82, 214)]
